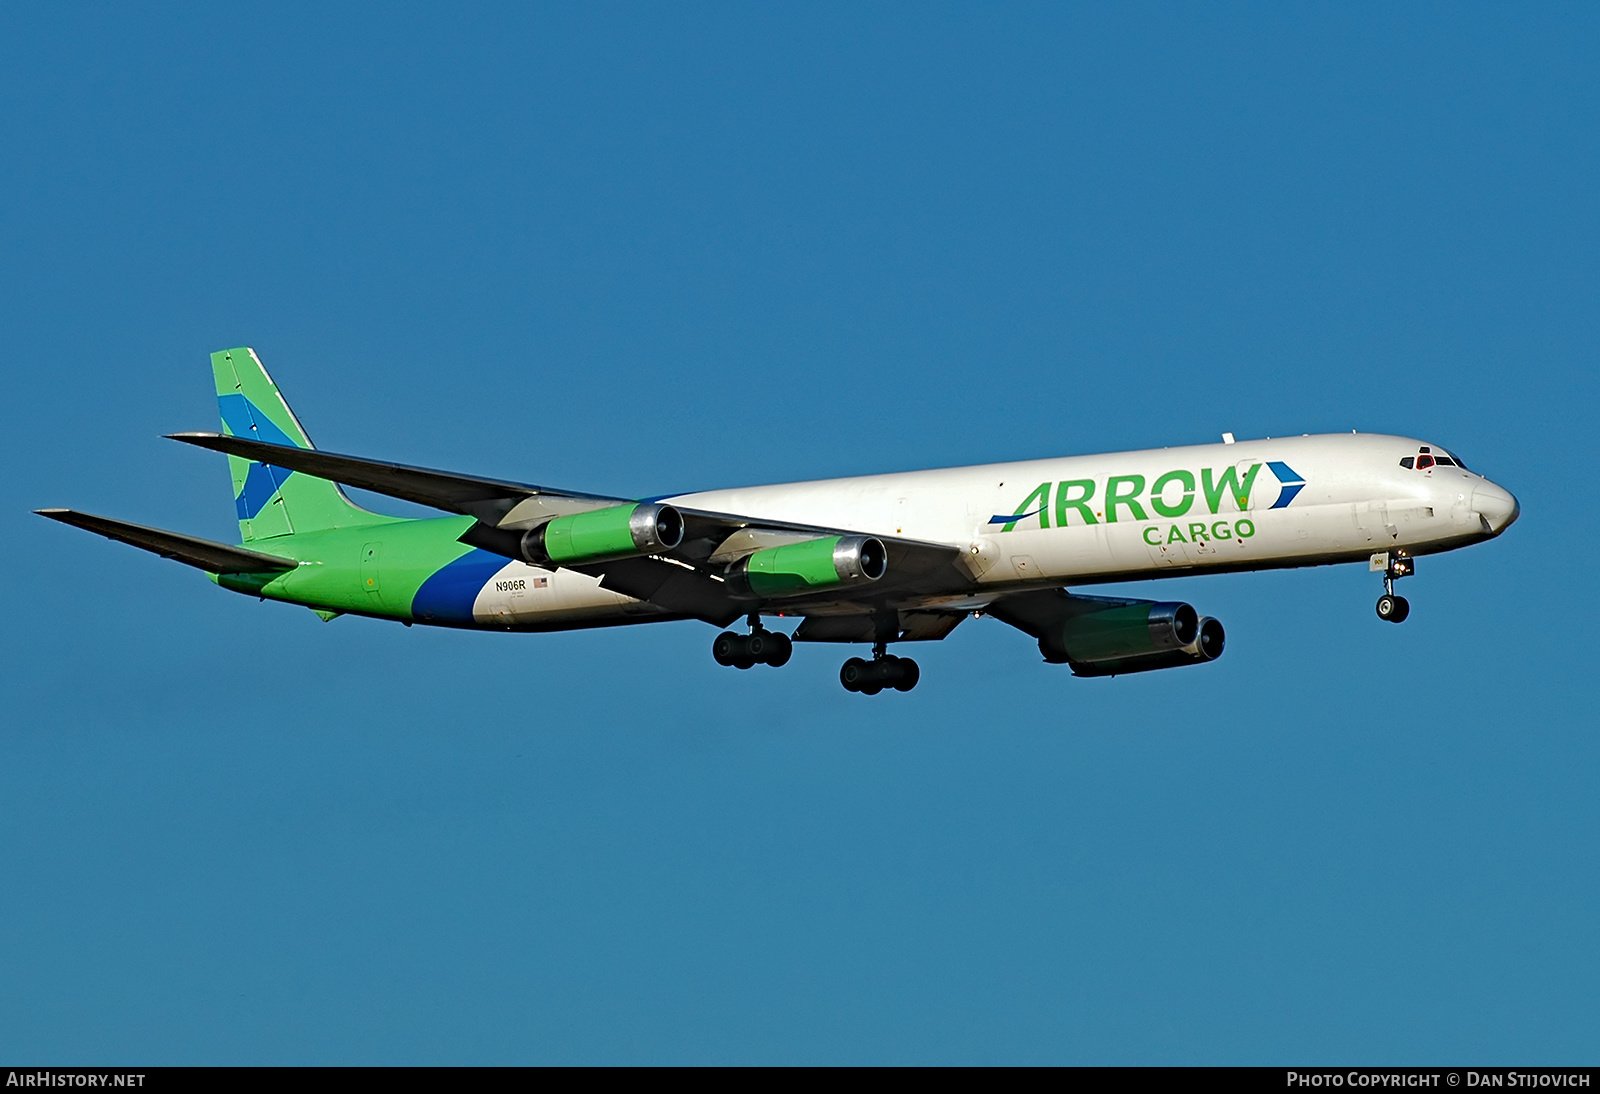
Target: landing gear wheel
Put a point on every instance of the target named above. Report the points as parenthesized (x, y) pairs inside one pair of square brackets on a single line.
[(741, 651), (871, 677), (1393, 609), (757, 645)]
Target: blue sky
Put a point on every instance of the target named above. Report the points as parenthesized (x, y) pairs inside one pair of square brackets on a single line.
[(641, 250)]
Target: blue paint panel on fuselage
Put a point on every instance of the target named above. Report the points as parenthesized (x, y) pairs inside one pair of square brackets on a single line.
[(448, 596)]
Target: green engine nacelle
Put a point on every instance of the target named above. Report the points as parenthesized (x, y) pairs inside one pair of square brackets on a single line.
[(798, 568), (621, 531), (1133, 638)]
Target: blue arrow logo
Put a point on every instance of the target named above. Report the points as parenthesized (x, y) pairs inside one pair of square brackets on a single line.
[(1291, 479)]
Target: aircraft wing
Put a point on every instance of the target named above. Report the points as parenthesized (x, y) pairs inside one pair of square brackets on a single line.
[(685, 580), (214, 558), (489, 500)]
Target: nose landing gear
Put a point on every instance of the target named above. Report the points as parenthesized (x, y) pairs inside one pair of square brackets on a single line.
[(885, 670), (1392, 608), (759, 647)]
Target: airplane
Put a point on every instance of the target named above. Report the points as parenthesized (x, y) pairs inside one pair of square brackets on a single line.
[(874, 560)]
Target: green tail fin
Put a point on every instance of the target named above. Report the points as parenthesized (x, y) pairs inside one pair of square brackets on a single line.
[(272, 501)]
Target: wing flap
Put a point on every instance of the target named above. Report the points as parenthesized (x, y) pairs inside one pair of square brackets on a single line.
[(215, 558), (674, 588), (903, 626)]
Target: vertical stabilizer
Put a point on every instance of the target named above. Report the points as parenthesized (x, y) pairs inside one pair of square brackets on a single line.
[(272, 501)]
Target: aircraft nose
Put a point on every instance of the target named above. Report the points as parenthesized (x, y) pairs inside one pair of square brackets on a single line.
[(1497, 506)]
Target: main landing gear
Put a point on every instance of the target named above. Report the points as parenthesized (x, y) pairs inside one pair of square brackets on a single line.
[(885, 670), (1392, 608), (759, 647)]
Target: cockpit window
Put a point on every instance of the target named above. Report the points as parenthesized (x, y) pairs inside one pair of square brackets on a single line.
[(1458, 461), (1426, 459)]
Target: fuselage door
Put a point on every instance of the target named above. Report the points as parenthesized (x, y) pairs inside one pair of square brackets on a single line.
[(1372, 522)]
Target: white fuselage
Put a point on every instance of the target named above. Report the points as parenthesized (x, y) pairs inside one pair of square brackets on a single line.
[(1295, 501)]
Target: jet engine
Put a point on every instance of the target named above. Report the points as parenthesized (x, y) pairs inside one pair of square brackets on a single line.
[(798, 568), (1132, 638), (600, 535)]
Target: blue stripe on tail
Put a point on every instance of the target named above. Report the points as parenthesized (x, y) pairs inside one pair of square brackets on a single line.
[(244, 419)]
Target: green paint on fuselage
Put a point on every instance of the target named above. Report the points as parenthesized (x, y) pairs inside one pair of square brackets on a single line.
[(373, 569)]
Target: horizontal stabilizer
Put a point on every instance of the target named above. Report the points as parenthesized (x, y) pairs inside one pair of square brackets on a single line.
[(215, 558), (486, 499)]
